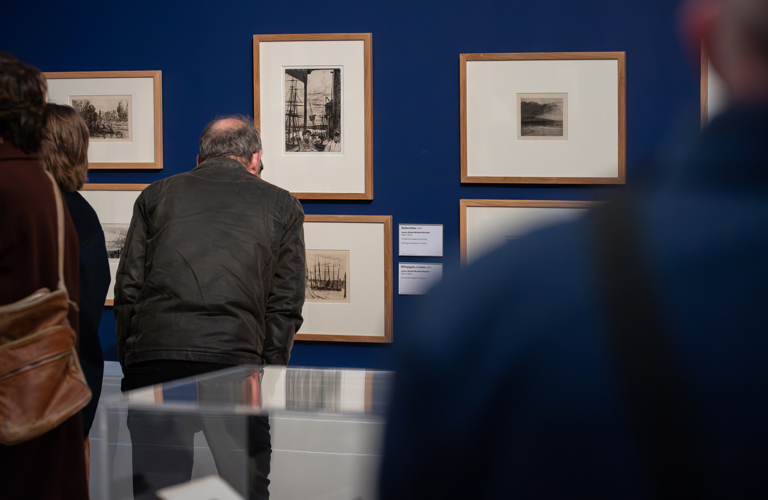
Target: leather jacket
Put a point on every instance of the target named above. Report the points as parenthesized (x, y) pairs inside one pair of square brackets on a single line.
[(213, 270)]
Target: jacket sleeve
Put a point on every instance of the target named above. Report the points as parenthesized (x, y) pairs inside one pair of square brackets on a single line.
[(130, 275), (286, 297)]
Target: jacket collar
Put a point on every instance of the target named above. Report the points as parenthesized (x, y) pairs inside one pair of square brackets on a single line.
[(10, 152), (220, 161)]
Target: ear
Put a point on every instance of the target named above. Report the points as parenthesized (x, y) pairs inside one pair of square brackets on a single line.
[(199, 160), (255, 161)]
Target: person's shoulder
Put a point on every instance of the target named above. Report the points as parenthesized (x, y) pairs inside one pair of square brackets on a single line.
[(83, 216), (157, 187), (524, 291), (25, 187)]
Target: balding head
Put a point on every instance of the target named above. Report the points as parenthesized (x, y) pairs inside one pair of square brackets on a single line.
[(735, 35), (231, 137)]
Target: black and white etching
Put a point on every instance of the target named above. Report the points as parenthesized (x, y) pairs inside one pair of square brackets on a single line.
[(328, 276), (108, 117), (313, 110), (542, 116), (114, 236)]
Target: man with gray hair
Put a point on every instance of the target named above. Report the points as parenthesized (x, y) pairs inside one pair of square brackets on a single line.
[(212, 275)]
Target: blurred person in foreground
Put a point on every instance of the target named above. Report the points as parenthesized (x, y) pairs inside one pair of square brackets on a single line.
[(623, 355), (50, 466), (211, 276), (65, 154)]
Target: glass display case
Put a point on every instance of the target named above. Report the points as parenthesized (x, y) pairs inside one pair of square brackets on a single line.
[(298, 432)]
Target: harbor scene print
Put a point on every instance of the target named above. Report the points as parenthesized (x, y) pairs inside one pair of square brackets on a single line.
[(313, 110), (327, 276), (543, 116)]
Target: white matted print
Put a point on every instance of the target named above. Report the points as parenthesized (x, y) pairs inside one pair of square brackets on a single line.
[(508, 98), (362, 245), (113, 204), (312, 105), (488, 224), (123, 112)]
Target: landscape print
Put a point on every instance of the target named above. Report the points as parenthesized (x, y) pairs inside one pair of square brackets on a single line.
[(542, 116), (108, 117), (312, 110), (327, 276), (114, 237)]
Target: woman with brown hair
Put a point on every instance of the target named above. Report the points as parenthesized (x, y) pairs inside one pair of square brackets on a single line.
[(45, 466), (64, 153)]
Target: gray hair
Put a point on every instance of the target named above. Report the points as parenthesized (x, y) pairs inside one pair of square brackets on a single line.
[(234, 140)]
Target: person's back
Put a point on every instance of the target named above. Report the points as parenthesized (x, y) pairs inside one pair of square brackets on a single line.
[(521, 389), (212, 275), (51, 465), (212, 241)]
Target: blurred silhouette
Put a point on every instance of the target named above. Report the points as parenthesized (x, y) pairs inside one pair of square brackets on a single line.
[(622, 355)]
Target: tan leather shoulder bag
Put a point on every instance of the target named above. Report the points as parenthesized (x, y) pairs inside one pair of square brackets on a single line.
[(41, 381)]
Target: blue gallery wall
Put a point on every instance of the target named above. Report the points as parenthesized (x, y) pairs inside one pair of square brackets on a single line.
[(204, 51)]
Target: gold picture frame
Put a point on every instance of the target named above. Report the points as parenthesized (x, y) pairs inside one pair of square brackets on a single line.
[(346, 174), (367, 314), (493, 150), (144, 149)]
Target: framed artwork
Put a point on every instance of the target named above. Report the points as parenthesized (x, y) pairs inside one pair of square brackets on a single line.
[(113, 204), (123, 111), (349, 278), (713, 96), (313, 107), (543, 118), (489, 224)]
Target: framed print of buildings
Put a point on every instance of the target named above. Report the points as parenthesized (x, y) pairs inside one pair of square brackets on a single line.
[(543, 118), (123, 111), (313, 107)]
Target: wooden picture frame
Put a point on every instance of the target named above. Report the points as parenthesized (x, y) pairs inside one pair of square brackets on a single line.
[(113, 204), (344, 62), (133, 142), (543, 118), (476, 232), (364, 313)]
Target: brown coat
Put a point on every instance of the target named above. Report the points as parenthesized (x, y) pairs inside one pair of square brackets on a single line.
[(51, 466)]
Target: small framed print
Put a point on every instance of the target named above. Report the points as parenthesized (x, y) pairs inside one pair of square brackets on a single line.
[(123, 111), (543, 118), (489, 224), (313, 106), (113, 204), (349, 279)]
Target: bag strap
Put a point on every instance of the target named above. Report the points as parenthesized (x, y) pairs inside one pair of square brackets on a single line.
[(672, 450), (60, 233)]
